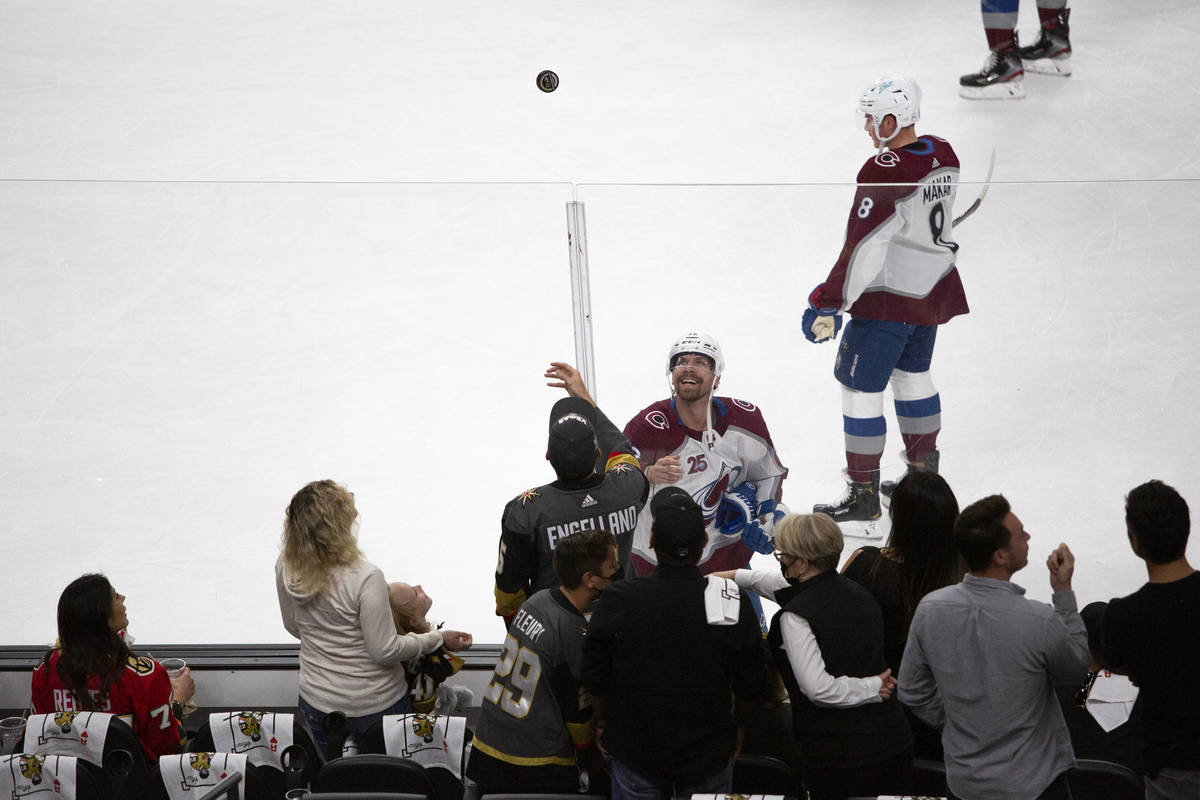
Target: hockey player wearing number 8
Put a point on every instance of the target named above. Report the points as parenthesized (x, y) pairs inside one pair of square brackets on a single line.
[(896, 277)]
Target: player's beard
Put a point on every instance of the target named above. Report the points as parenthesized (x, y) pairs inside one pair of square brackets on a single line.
[(692, 391)]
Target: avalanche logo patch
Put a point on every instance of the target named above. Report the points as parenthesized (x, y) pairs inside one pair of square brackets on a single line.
[(745, 406), (887, 159), (658, 419), (709, 497)]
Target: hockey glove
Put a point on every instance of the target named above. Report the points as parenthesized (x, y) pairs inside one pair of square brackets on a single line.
[(759, 535), (736, 510), (820, 324)]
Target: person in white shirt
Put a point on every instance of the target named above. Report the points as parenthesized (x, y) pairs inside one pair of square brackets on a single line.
[(827, 641)]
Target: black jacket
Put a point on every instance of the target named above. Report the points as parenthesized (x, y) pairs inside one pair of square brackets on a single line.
[(667, 676)]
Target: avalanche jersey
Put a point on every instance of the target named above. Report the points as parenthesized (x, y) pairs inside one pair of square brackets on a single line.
[(535, 520), (534, 711), (743, 453), (898, 262), (141, 696)]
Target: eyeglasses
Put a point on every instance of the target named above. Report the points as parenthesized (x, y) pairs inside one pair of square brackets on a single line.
[(784, 558)]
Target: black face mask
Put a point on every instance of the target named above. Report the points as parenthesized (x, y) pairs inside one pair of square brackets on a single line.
[(618, 575), (784, 568)]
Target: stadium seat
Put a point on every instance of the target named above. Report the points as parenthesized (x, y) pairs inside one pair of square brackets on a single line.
[(375, 773), (284, 750), (122, 761), (929, 778), (766, 775), (444, 769), (1094, 778), (188, 774)]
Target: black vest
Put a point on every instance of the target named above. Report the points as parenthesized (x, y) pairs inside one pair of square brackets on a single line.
[(848, 626)]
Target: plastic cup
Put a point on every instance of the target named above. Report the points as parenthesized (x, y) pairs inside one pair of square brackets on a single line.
[(12, 735), (174, 666)]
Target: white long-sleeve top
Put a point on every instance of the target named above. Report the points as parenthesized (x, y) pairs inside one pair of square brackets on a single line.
[(351, 658), (804, 654)]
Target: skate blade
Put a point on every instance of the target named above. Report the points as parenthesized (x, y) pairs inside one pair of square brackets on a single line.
[(1049, 66), (1012, 90), (862, 529)]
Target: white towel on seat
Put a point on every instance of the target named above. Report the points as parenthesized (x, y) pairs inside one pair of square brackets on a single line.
[(429, 739), (262, 737), (69, 733), (37, 776), (722, 601), (190, 775)]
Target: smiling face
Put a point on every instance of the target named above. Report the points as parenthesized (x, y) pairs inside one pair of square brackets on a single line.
[(692, 376)]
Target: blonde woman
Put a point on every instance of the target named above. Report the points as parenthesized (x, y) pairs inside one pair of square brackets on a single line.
[(336, 603), (827, 641)]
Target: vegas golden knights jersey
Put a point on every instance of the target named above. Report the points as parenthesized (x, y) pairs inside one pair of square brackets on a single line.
[(534, 711)]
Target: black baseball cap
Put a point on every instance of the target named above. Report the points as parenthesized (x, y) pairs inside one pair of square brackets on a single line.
[(678, 524), (572, 445)]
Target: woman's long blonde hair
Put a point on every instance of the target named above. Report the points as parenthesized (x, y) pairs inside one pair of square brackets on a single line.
[(318, 536)]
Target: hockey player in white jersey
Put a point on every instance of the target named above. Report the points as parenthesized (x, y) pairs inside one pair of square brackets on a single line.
[(717, 449), (896, 277)]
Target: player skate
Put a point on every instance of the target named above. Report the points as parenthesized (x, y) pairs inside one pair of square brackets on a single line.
[(930, 463), (861, 504), (999, 79), (1051, 53)]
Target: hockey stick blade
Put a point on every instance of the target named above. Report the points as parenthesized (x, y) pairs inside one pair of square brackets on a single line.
[(987, 184)]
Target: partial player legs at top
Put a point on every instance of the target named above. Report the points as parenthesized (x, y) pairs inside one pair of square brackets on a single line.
[(1051, 53), (1003, 70)]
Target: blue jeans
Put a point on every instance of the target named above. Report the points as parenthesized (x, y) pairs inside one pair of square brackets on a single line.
[(628, 785), (355, 725)]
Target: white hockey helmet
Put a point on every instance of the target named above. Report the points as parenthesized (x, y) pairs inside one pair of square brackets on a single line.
[(700, 344), (898, 96)]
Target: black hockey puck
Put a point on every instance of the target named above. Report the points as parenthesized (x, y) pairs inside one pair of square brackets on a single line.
[(547, 80)]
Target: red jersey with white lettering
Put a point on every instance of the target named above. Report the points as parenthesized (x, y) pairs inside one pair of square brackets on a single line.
[(743, 453), (141, 696), (898, 261)]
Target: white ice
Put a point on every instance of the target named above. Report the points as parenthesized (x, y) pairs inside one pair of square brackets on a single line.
[(220, 279)]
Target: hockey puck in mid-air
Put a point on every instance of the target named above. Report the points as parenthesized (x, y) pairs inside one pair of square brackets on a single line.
[(547, 80)]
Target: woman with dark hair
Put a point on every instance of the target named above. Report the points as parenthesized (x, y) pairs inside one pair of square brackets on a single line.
[(920, 556), (335, 602), (93, 669)]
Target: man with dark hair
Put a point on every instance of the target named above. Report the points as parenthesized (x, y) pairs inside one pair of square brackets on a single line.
[(981, 660), (661, 666), (584, 497), (535, 731), (1153, 635)]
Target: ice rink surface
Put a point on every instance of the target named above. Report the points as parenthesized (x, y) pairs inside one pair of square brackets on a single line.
[(250, 245)]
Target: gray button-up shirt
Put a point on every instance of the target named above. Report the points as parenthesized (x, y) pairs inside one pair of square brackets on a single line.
[(979, 663)]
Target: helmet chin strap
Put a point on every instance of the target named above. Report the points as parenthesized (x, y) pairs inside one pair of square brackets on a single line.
[(710, 437), (882, 141)]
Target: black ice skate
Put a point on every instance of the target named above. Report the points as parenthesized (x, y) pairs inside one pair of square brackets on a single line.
[(931, 464), (861, 504), (1000, 79), (1051, 53)]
